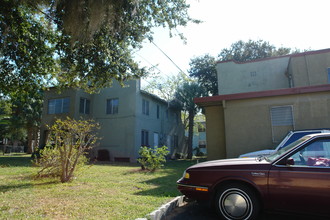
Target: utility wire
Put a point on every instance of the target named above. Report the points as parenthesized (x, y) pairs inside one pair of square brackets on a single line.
[(152, 65), (168, 58)]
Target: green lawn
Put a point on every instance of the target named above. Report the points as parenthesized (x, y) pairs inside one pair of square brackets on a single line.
[(101, 191)]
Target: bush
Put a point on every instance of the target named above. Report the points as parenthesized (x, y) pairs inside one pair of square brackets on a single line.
[(152, 158), (65, 150), (51, 163)]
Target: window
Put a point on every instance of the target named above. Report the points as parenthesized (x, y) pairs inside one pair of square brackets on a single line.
[(176, 117), (158, 111), (84, 107), (202, 144), (145, 107), (201, 127), (58, 106), (112, 106), (281, 115), (316, 153), (328, 74), (175, 141), (144, 138), (282, 121)]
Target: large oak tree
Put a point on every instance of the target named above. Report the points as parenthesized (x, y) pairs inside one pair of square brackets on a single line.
[(78, 43), (74, 43)]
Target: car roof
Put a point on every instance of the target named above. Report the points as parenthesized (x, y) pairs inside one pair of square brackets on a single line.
[(311, 130), (319, 134)]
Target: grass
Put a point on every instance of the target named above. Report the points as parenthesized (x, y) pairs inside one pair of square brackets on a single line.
[(101, 191)]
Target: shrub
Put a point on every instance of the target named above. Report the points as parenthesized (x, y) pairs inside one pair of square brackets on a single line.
[(66, 148), (152, 158)]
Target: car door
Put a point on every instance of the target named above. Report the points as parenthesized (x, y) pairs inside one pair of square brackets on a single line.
[(303, 186)]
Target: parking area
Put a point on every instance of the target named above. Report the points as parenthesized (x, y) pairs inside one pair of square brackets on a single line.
[(193, 211)]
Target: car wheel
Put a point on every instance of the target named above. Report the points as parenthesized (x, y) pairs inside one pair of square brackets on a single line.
[(237, 201)]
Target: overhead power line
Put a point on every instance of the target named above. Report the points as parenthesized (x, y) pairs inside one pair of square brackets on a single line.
[(168, 57)]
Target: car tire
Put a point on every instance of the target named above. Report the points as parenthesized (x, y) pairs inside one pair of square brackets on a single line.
[(237, 201)]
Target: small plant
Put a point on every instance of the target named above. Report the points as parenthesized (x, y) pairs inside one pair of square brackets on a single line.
[(66, 148), (152, 158)]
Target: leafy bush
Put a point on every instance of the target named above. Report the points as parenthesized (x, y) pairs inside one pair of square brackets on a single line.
[(152, 158), (66, 147)]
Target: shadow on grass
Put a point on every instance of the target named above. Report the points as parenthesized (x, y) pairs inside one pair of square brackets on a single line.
[(23, 160), (14, 187), (166, 185)]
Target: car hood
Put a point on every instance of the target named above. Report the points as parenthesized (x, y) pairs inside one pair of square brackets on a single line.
[(230, 162)]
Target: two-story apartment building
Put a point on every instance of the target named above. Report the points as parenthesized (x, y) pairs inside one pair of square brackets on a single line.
[(129, 118), (261, 100)]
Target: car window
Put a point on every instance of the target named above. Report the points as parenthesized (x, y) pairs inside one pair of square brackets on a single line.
[(278, 153), (315, 154), (297, 136)]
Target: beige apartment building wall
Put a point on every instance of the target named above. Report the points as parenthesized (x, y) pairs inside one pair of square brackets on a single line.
[(120, 133), (49, 119), (248, 125), (309, 69), (166, 126), (215, 135), (117, 130), (266, 74)]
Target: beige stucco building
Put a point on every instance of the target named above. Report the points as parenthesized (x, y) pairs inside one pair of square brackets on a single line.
[(128, 116), (260, 101)]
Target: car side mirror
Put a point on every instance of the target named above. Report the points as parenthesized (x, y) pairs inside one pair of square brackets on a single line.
[(290, 162)]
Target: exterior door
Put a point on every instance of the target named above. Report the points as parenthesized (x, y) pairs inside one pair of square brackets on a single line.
[(156, 139)]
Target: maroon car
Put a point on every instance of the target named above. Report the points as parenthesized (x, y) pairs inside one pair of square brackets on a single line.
[(293, 179)]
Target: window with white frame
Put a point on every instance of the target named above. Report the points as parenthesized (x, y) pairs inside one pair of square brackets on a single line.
[(112, 106), (145, 107), (58, 106), (84, 106)]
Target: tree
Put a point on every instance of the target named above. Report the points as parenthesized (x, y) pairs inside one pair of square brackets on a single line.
[(165, 86), (241, 51), (184, 96), (204, 69), (27, 110), (26, 48), (68, 143), (78, 43)]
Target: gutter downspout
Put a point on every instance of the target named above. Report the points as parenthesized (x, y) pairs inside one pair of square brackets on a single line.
[(224, 104), (307, 68), (289, 75)]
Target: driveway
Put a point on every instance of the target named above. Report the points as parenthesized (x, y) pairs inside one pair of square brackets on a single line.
[(194, 211)]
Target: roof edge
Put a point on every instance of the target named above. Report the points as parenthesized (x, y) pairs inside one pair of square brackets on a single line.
[(312, 52), (211, 100)]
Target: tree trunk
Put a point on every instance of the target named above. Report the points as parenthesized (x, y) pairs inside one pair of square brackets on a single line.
[(190, 134), (30, 135), (33, 138)]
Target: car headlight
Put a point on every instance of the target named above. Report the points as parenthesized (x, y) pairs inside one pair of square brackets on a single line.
[(186, 175)]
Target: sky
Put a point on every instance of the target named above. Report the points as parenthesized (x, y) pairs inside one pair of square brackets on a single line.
[(301, 24)]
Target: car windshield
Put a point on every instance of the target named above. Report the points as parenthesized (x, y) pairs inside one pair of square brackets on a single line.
[(278, 153)]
